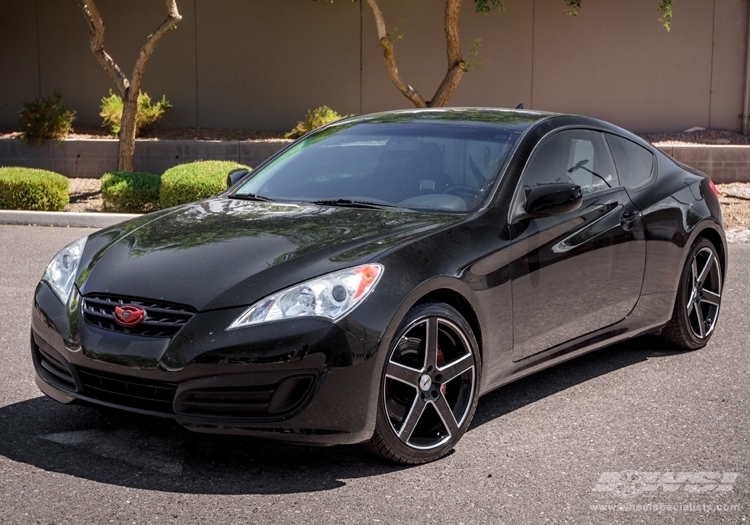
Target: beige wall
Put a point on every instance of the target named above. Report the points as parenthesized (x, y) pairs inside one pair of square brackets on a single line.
[(262, 64)]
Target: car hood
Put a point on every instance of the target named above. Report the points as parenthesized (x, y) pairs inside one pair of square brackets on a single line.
[(223, 252)]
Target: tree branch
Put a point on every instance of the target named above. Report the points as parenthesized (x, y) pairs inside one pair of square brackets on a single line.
[(96, 42), (452, 39), (390, 59), (456, 64), (173, 17), (448, 85)]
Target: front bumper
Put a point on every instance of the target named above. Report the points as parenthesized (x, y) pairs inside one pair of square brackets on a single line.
[(307, 381)]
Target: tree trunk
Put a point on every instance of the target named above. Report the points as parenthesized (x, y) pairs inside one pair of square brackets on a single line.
[(456, 64), (129, 88), (390, 58), (126, 151)]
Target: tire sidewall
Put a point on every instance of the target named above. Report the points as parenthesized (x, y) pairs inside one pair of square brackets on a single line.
[(684, 293), (383, 424)]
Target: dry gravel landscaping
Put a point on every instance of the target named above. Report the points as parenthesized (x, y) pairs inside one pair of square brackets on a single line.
[(698, 136), (93, 133)]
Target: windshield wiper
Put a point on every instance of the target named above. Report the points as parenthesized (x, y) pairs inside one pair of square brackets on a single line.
[(348, 203), (251, 197)]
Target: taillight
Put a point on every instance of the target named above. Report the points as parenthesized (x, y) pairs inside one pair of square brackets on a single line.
[(713, 188)]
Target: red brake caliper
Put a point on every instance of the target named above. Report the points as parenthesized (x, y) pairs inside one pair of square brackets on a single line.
[(441, 362)]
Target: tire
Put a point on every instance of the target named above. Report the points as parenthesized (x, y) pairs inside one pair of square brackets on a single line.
[(698, 301), (428, 393)]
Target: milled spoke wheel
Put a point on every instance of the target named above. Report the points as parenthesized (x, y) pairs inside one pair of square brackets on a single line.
[(705, 293), (698, 299), (429, 389)]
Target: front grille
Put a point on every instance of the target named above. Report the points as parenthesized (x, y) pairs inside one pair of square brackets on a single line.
[(254, 401), (145, 394), (162, 319), (53, 369)]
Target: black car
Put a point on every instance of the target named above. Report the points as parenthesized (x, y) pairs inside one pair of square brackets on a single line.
[(369, 282)]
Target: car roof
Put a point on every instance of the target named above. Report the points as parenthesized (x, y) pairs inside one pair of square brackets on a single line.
[(510, 119)]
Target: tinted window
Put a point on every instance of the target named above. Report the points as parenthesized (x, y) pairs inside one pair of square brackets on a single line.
[(448, 166), (578, 157), (634, 163)]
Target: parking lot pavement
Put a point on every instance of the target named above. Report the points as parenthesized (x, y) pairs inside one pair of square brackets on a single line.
[(636, 433)]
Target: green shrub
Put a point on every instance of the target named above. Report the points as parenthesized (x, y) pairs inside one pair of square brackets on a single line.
[(194, 181), (148, 111), (130, 192), (32, 189), (315, 118), (45, 118)]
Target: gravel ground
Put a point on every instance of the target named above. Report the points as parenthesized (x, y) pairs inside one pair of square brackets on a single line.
[(735, 209), (89, 132), (699, 136), (85, 195)]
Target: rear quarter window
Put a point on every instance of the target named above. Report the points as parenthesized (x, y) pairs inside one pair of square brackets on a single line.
[(634, 163)]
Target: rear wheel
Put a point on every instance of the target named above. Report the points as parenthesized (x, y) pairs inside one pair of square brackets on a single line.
[(429, 389), (698, 300)]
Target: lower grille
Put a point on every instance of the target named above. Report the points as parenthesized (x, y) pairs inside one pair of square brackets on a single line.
[(144, 394), (280, 396), (254, 401), (53, 369), (162, 319)]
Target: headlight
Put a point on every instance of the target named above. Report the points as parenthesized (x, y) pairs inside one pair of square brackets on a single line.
[(331, 296), (61, 271)]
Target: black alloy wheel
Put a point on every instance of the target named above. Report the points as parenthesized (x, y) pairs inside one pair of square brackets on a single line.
[(430, 385), (698, 301)]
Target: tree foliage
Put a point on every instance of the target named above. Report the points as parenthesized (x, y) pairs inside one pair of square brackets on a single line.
[(149, 111)]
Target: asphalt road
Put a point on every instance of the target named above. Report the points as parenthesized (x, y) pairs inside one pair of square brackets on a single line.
[(653, 435)]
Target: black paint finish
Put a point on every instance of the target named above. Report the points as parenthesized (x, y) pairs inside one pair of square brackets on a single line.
[(536, 291)]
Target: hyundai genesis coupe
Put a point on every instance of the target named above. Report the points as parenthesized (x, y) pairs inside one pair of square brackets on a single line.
[(374, 278)]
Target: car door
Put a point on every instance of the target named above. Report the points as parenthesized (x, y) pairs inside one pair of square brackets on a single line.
[(578, 272)]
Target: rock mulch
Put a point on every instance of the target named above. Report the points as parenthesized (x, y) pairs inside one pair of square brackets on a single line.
[(93, 133), (85, 195), (698, 136), (738, 236)]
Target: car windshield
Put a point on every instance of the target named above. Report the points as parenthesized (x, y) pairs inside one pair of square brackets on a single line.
[(436, 166)]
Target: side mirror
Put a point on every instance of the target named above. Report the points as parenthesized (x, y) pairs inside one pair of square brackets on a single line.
[(546, 200), (235, 175)]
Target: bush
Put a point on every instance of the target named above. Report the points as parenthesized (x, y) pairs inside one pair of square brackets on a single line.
[(130, 192), (315, 119), (148, 111), (194, 181), (32, 189), (45, 118)]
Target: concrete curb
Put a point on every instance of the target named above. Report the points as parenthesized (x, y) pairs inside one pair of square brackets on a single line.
[(63, 219)]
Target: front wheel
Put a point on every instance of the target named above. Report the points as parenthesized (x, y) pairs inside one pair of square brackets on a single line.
[(696, 308), (430, 386)]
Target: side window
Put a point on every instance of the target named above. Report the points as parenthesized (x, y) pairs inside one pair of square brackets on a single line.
[(578, 157), (634, 163)]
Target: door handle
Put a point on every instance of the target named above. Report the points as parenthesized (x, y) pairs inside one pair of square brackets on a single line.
[(629, 219)]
